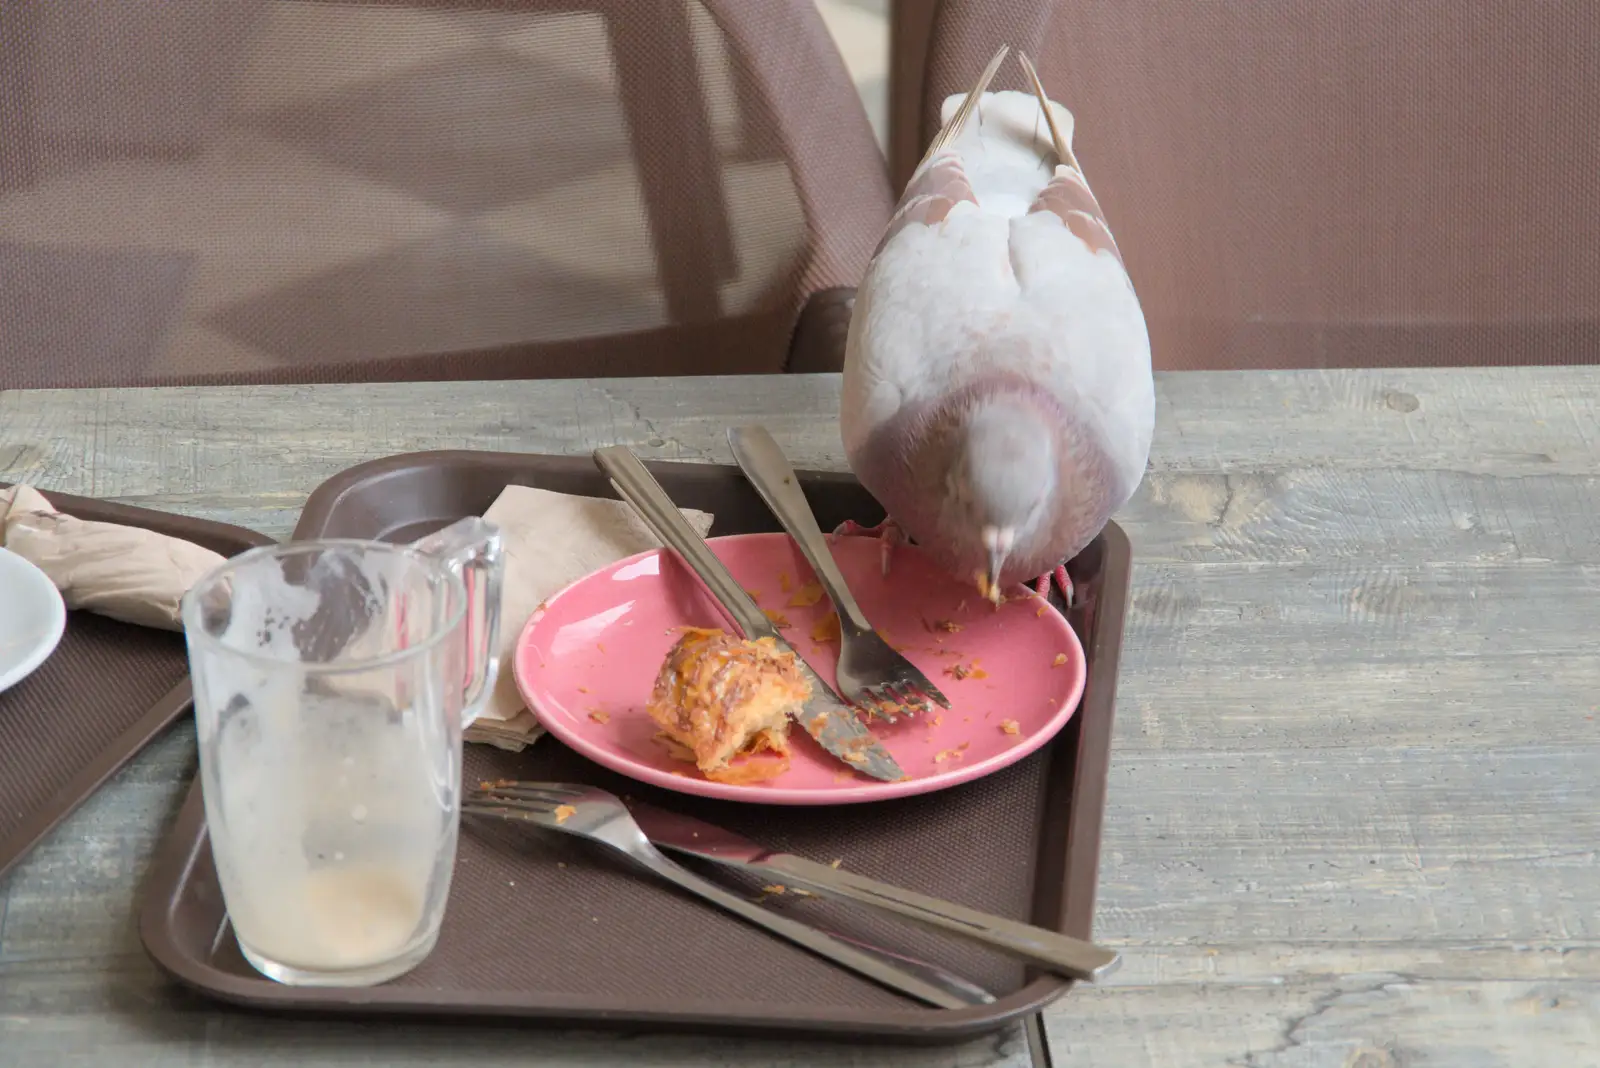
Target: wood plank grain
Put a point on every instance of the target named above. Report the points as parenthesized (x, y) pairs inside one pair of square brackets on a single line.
[(1362, 1020), (1370, 844), (1290, 514), (1498, 421), (1464, 657)]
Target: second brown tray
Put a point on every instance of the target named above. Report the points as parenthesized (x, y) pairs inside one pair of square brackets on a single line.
[(106, 691), (541, 927)]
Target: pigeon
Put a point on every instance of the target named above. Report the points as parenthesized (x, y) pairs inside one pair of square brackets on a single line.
[(997, 396)]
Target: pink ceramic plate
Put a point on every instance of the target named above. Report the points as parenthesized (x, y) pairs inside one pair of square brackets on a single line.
[(586, 662)]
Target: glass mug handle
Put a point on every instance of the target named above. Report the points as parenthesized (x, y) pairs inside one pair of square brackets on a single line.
[(473, 549)]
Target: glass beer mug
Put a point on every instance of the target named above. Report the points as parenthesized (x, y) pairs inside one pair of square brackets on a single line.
[(332, 681)]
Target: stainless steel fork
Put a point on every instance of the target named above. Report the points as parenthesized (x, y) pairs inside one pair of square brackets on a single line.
[(592, 813), (871, 674)]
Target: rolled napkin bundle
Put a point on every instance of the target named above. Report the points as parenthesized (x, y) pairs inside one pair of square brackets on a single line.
[(126, 573), (551, 540)]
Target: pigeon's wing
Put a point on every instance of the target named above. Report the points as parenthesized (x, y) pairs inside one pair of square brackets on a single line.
[(1077, 291), (887, 350)]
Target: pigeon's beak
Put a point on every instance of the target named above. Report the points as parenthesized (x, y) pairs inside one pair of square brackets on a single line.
[(998, 541), (991, 581)]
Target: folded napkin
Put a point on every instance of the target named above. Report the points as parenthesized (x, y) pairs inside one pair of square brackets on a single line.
[(551, 540), (127, 573)]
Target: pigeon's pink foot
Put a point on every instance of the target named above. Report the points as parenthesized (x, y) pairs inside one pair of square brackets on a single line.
[(1063, 581), (887, 532)]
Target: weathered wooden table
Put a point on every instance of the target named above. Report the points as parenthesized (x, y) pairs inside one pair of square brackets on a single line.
[(1355, 800)]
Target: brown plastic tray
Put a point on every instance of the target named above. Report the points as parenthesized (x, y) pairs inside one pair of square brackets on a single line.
[(542, 927), (106, 691)]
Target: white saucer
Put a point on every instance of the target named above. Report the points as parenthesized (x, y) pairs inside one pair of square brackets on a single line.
[(32, 617)]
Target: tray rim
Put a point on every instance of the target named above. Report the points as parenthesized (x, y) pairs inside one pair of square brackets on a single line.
[(116, 754), (1089, 731)]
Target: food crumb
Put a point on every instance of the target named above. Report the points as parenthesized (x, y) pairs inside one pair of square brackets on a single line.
[(964, 671), (775, 888), (511, 882), (1059, 661), (1010, 726), (934, 721), (806, 595), (583, 689), (854, 758), (755, 595), (949, 626), (992, 594), (779, 620), (561, 864), (835, 862), (599, 715), (564, 813), (826, 629), (1042, 610), (844, 776), (950, 754), (600, 646), (888, 709), (785, 583)]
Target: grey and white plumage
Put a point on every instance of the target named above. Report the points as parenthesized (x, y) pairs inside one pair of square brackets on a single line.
[(997, 396)]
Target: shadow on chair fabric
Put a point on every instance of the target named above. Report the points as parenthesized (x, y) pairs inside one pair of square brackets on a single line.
[(233, 191)]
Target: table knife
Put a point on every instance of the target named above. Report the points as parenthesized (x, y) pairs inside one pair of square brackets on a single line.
[(825, 716), (1051, 950)]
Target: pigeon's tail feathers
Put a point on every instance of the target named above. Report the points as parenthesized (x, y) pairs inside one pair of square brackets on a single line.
[(1006, 145), (1061, 144), (958, 122)]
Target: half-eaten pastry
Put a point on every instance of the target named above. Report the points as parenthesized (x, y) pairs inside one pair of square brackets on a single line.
[(722, 698)]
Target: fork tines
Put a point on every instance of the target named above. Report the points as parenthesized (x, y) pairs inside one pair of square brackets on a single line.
[(888, 701), (545, 796)]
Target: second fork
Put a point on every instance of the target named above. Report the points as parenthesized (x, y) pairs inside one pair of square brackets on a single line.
[(592, 813), (871, 673)]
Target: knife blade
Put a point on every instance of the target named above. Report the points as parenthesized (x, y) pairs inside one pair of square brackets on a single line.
[(827, 718), (1059, 953)]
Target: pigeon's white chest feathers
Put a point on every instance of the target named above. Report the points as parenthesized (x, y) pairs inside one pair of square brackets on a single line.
[(994, 291)]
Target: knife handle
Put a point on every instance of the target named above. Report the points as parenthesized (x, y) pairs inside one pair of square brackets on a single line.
[(1056, 952), (636, 485), (879, 967), (770, 472)]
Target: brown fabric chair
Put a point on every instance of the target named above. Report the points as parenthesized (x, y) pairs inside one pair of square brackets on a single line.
[(1299, 183), (225, 191)]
